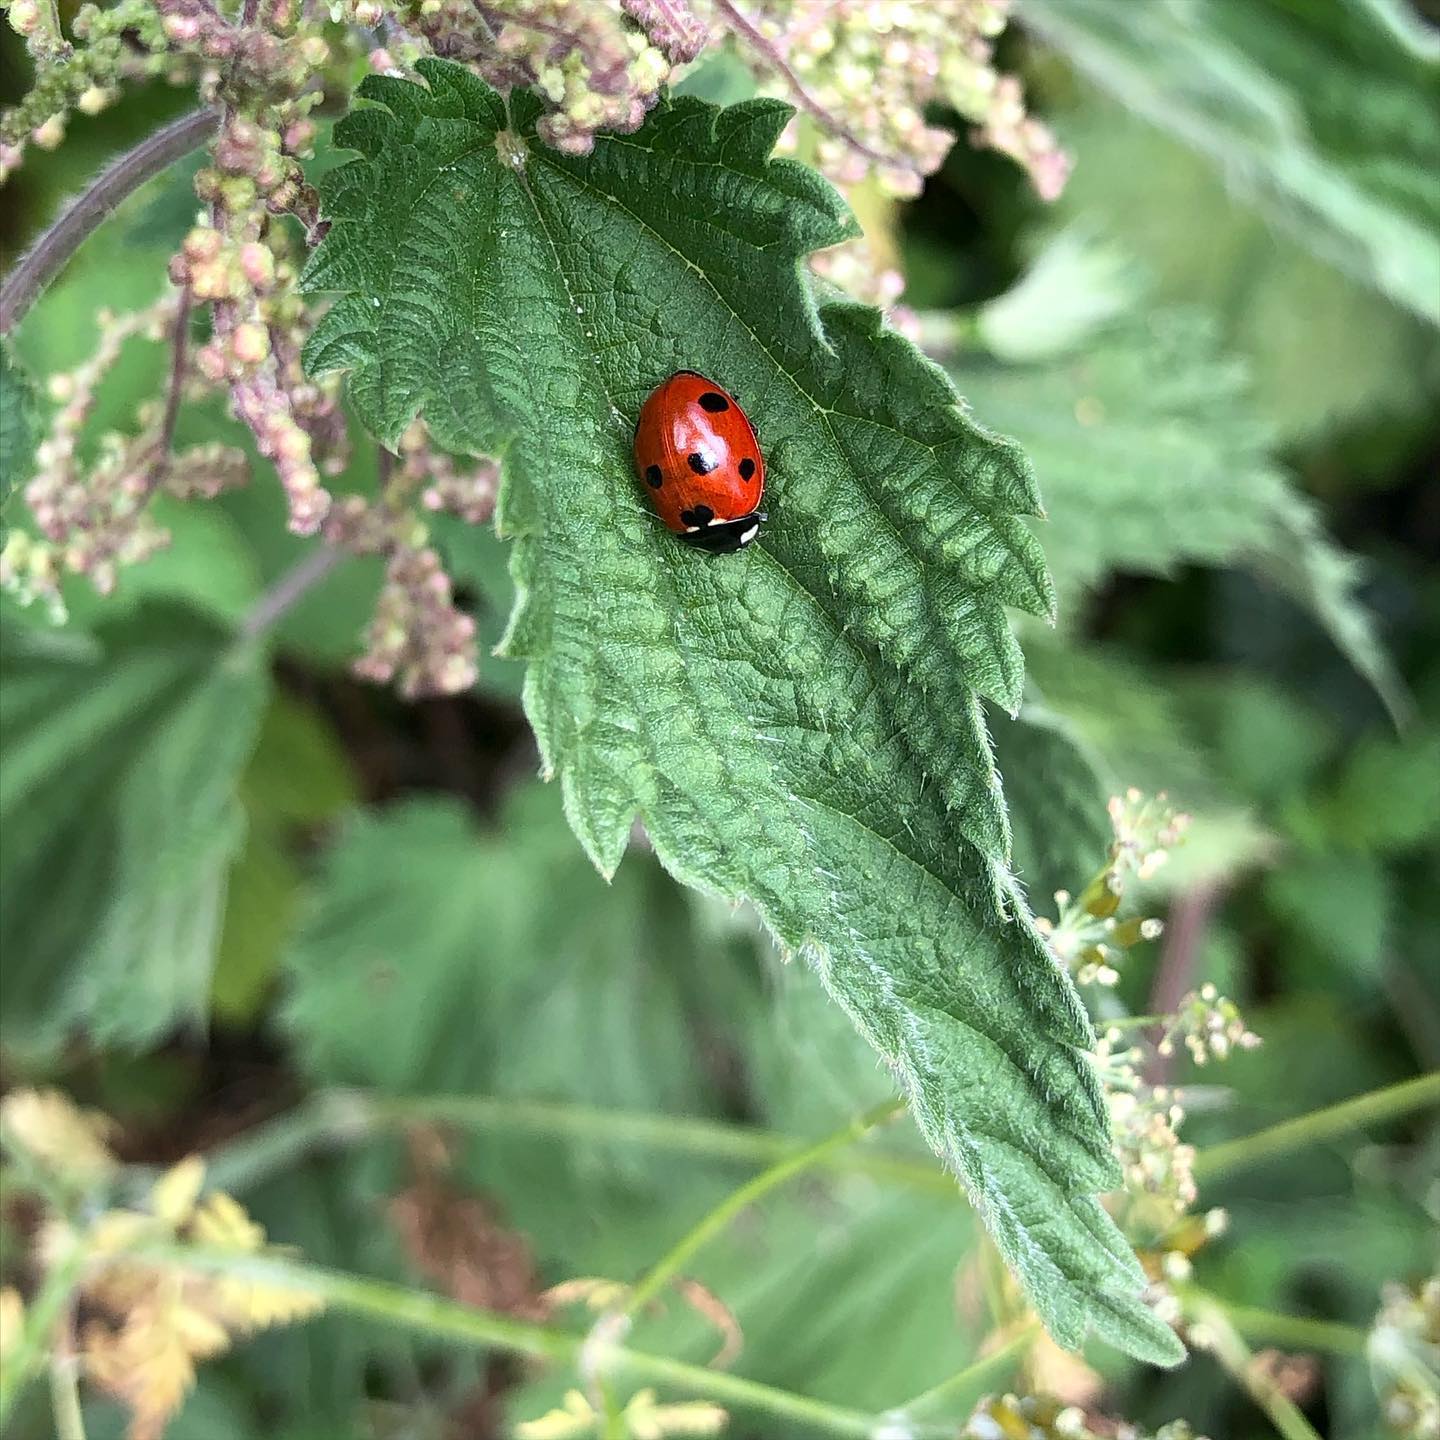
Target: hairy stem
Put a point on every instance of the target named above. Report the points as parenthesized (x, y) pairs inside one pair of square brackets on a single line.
[(1234, 1355), (1368, 1109), (58, 47), (46, 258), (345, 1117), (716, 1222), (340, 1117)]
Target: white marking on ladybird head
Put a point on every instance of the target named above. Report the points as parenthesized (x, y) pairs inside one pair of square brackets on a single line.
[(746, 536)]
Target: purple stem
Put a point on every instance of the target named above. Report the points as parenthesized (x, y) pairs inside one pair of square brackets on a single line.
[(1185, 931), (289, 590), (46, 258), (747, 28), (179, 344)]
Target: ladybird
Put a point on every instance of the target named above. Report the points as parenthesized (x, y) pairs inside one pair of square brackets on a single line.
[(696, 452)]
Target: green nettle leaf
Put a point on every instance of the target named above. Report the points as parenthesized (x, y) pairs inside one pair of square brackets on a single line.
[(438, 955), (1147, 452), (120, 758), (1150, 453), (1305, 563), (1387, 798), (433, 959), (798, 724)]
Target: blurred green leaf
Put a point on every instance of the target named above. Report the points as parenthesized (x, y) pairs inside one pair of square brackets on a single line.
[(261, 906), (1287, 314), (1387, 797), (298, 772), (440, 955), (1075, 287), (164, 209), (117, 800), (18, 429), (1139, 727), (319, 1375), (1145, 450), (437, 956), (721, 77), (811, 1072), (1057, 800), (148, 967), (1338, 904), (1305, 563), (1323, 115), (1266, 743), (841, 1289)]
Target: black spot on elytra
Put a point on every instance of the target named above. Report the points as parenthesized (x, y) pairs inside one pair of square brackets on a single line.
[(700, 515), (713, 402), (747, 468), (700, 462), (653, 477)]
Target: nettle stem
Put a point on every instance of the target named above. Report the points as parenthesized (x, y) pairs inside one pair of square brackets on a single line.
[(1298, 1331), (289, 590), (1235, 1357), (718, 1220), (964, 1388), (1369, 1109), (338, 1118), (65, 1380), (29, 1352), (443, 1319), (774, 57), (48, 256)]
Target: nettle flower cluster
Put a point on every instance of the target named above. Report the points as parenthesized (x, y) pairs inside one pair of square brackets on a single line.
[(1403, 1349), (1089, 939), (861, 74), (1092, 941), (139, 1325)]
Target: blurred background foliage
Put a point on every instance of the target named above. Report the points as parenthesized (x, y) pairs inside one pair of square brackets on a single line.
[(229, 885)]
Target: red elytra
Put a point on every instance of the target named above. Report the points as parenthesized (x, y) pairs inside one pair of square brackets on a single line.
[(696, 451)]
